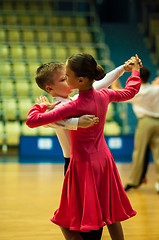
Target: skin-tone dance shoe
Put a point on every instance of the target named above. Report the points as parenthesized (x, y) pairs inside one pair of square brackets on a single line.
[(157, 187)]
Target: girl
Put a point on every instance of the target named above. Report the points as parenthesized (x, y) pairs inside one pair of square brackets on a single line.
[(92, 193)]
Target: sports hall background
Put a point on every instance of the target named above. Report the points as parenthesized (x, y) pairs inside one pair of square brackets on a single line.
[(33, 32)]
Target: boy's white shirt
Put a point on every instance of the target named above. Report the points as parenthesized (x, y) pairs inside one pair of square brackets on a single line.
[(63, 126)]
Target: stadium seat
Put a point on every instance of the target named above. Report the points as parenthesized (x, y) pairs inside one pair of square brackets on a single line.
[(32, 67), (81, 21), (71, 37), (57, 36), (53, 21), (22, 88), (1, 20), (17, 52), (33, 6), (42, 37), (85, 37), (61, 53), (31, 52), (110, 112), (108, 65), (13, 131), (20, 5), (112, 128), (19, 69), (6, 5), (43, 131), (39, 20), (14, 36), (36, 91), (1, 132), (7, 88), (24, 20), (72, 50), (92, 51), (28, 36), (11, 20), (4, 52), (46, 53), (5, 69), (24, 105), (9, 107), (2, 35), (66, 21), (25, 130)]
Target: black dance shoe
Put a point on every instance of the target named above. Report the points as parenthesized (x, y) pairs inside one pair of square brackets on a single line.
[(128, 187)]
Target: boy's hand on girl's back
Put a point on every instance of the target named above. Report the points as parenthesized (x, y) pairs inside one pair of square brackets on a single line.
[(86, 121), (44, 100)]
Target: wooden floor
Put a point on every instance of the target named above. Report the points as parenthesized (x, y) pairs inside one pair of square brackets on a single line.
[(29, 194)]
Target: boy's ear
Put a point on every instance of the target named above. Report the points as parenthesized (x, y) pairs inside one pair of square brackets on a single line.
[(48, 88)]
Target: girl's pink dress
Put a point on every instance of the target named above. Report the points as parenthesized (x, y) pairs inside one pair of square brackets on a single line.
[(92, 193)]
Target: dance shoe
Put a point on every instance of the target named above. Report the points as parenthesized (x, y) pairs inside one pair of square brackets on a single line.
[(128, 187), (157, 187)]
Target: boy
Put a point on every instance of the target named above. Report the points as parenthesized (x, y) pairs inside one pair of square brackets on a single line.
[(51, 77)]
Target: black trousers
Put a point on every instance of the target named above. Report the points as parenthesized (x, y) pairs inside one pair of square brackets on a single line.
[(94, 234)]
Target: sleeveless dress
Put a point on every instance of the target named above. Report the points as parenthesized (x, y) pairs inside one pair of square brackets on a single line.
[(92, 193)]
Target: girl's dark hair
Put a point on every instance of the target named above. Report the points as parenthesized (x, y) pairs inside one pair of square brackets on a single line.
[(144, 74), (45, 73), (84, 65)]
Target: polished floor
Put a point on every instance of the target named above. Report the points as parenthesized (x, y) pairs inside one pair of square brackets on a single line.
[(29, 194)]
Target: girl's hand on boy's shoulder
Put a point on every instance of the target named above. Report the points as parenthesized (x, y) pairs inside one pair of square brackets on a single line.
[(44, 100)]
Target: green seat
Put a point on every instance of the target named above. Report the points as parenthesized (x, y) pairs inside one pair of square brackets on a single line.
[(46, 53), (13, 131), (4, 52), (24, 105), (90, 50), (28, 36), (85, 37), (36, 91), (71, 37), (42, 36), (39, 20), (43, 131), (66, 21), (31, 52), (32, 67), (57, 36), (22, 88), (2, 35), (25, 130), (11, 20), (19, 69), (5, 69), (53, 21), (14, 36), (61, 53), (7, 88), (9, 107), (17, 52), (24, 20), (81, 21), (1, 132)]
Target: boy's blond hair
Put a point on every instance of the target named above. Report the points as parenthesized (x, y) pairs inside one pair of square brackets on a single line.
[(45, 73)]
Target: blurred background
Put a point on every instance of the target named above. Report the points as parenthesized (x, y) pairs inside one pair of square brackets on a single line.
[(33, 32)]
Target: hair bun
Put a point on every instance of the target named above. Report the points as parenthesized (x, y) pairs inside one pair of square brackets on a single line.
[(99, 73)]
